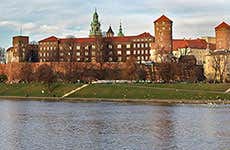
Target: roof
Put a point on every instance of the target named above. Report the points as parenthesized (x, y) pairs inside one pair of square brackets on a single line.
[(50, 39), (194, 43), (129, 38), (110, 30), (163, 18), (223, 25), (9, 49), (82, 40)]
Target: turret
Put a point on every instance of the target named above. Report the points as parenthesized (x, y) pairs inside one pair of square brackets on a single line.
[(120, 33), (95, 26), (110, 32)]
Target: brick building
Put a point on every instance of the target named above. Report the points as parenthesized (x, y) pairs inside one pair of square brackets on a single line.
[(163, 45), (96, 48), (22, 50), (223, 36)]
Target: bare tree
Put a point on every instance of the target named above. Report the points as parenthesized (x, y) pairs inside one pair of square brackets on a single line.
[(219, 65)]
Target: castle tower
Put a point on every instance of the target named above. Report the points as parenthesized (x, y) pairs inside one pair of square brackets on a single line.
[(95, 26), (120, 33), (110, 32), (223, 36), (163, 34), (20, 46)]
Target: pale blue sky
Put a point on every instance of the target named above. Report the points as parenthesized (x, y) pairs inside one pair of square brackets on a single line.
[(43, 18)]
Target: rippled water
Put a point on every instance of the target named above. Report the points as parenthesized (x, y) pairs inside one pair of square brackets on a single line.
[(112, 126)]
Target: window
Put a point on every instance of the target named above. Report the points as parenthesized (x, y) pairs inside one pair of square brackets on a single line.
[(142, 52), (138, 45), (69, 54), (86, 53), (61, 54), (93, 53), (110, 59), (119, 52), (119, 59), (146, 52), (134, 45), (142, 45), (78, 47), (87, 47), (110, 46), (128, 46), (128, 52), (93, 47), (119, 46), (134, 52), (78, 53), (78, 59), (146, 45)]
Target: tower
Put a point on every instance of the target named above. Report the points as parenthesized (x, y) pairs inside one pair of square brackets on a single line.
[(163, 34), (223, 36), (95, 26), (110, 32), (120, 33)]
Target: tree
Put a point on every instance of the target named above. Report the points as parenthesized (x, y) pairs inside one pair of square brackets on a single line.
[(2, 55), (130, 69), (26, 73), (45, 74), (3, 78), (220, 62)]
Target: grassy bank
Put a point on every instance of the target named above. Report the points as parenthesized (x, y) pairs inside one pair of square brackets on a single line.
[(122, 91)]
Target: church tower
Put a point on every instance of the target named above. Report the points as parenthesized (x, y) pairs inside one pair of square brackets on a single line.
[(120, 33), (95, 26)]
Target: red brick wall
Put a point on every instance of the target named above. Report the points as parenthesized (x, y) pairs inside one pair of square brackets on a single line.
[(163, 35), (157, 72), (223, 39)]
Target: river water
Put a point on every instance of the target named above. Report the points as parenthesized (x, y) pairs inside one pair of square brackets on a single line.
[(112, 126)]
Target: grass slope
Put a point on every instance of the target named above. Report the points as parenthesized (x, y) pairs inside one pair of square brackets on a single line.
[(155, 91)]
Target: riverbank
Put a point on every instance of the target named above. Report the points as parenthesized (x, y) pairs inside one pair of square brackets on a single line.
[(139, 101), (135, 93)]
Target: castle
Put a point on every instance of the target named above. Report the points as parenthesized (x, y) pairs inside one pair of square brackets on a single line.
[(118, 48)]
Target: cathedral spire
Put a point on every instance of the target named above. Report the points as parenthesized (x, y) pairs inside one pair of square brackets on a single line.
[(95, 26), (120, 33)]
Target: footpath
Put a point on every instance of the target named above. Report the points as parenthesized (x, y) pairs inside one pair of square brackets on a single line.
[(74, 91)]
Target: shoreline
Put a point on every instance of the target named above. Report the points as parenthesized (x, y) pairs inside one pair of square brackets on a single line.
[(140, 101)]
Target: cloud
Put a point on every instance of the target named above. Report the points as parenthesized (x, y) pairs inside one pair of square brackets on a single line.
[(40, 19)]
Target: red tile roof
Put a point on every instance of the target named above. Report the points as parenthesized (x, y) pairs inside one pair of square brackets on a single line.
[(163, 18), (223, 25), (115, 39), (194, 43), (50, 39)]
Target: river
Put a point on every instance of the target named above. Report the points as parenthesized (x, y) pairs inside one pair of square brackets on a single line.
[(32, 125)]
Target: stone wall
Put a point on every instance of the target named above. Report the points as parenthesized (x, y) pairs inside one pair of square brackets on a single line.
[(157, 72)]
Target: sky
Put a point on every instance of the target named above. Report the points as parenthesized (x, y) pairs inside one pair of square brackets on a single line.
[(40, 19)]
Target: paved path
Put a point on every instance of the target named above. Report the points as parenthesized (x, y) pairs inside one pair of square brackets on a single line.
[(227, 91), (74, 91)]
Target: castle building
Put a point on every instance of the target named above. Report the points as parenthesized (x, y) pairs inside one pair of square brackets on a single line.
[(223, 36), (96, 48), (163, 45), (22, 50)]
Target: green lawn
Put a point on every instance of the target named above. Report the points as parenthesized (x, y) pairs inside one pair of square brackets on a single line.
[(35, 89), (154, 91), (122, 91)]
